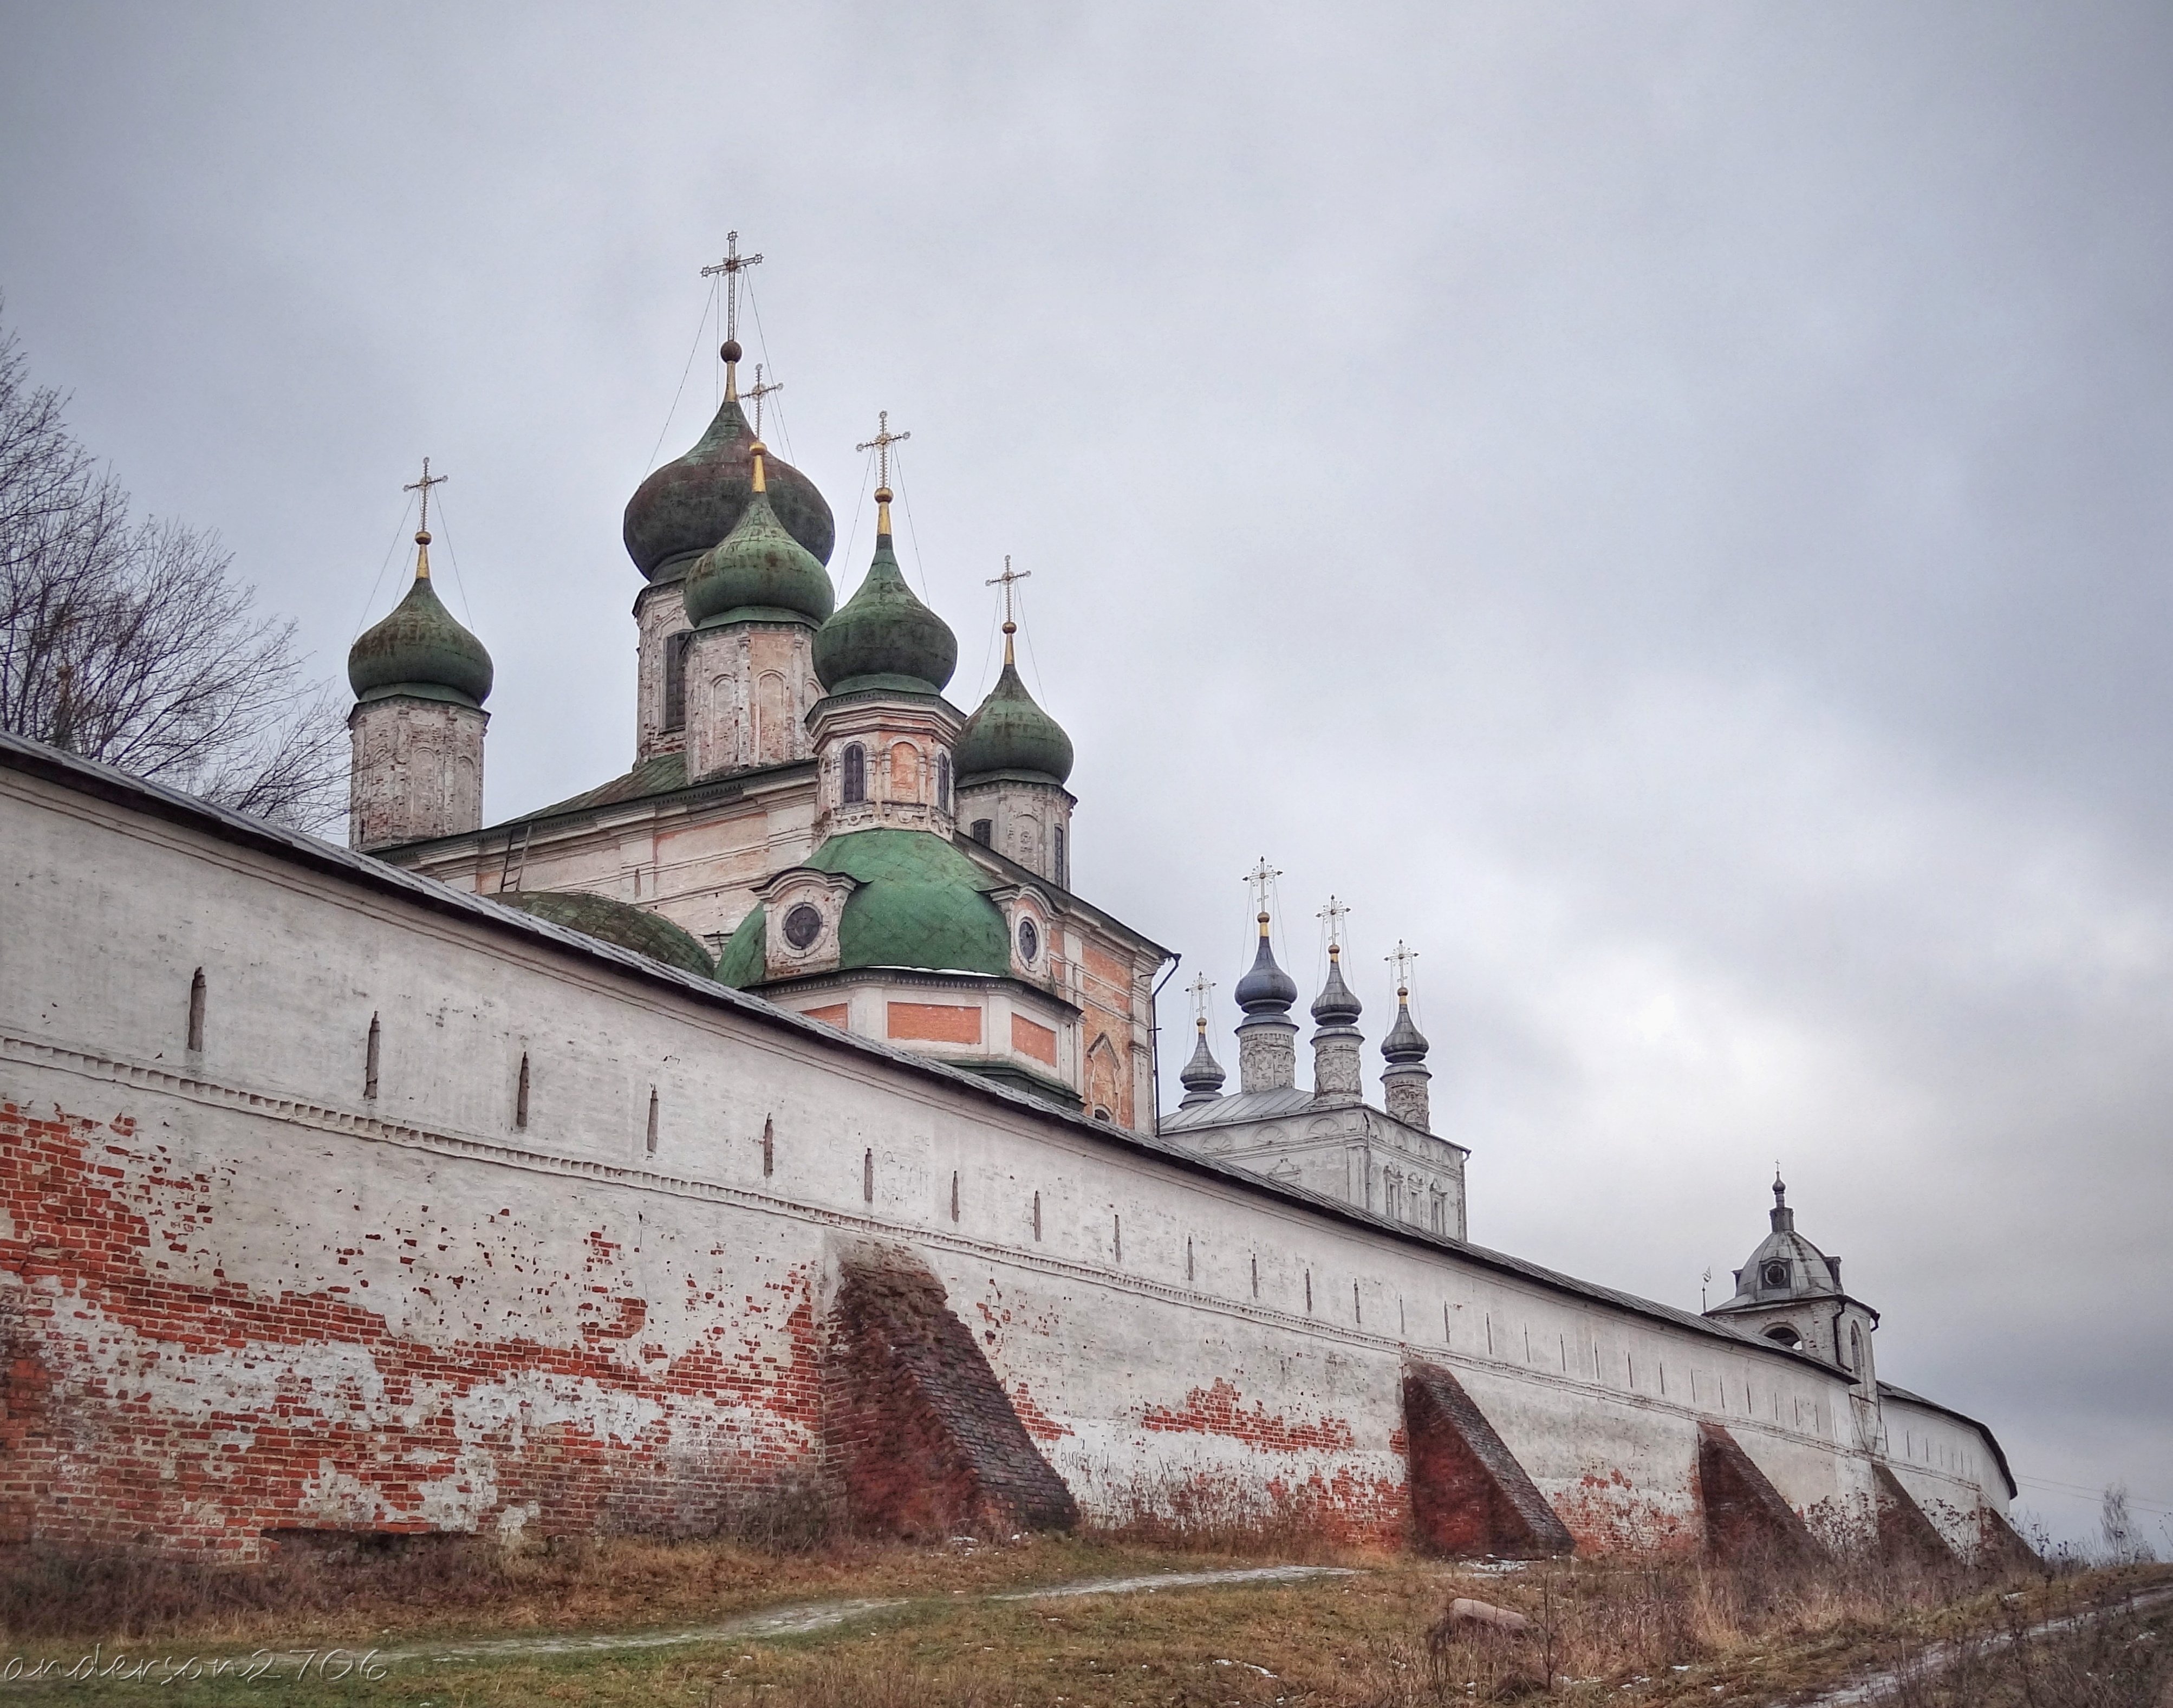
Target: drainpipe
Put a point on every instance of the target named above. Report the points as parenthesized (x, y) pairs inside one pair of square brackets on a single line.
[(1154, 1039)]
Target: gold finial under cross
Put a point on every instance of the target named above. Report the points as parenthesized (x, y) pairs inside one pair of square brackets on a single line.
[(1401, 960), (1334, 913), (424, 486), (758, 391), (1199, 987), (732, 266), (880, 445), (1260, 880), (1009, 578)]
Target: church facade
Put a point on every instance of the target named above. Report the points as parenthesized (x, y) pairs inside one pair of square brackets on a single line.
[(777, 1111)]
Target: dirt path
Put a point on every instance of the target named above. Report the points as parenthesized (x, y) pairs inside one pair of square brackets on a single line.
[(1935, 1659), (821, 1616)]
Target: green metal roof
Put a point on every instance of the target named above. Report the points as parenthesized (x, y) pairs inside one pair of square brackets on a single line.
[(921, 904), (614, 921), (884, 637), (1011, 733)]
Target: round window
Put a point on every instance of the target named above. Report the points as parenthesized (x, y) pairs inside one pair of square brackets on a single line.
[(802, 926), (1776, 1274), (1029, 941)]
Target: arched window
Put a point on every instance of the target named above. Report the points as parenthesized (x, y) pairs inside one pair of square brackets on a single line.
[(983, 831), (674, 678), (1787, 1336), (942, 782), (904, 772), (852, 775), (1855, 1347)]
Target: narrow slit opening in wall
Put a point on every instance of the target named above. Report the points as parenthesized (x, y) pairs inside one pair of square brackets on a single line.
[(650, 1143), (370, 1062), (1357, 1310), (1187, 1259), (954, 1195), (196, 1010), (1037, 1215), (1117, 1237), (1256, 1275), (868, 1176), (521, 1093), (1308, 1289), (769, 1147)]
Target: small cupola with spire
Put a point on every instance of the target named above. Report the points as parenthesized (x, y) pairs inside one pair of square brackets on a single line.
[(1404, 1080), (419, 681), (1013, 761), (1267, 1037), (677, 514), (882, 732), (1337, 1040), (1790, 1293), (1202, 1076)]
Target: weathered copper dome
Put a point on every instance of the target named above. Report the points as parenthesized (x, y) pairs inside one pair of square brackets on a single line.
[(689, 506)]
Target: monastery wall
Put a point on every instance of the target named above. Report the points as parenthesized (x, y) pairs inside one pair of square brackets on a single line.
[(454, 1221)]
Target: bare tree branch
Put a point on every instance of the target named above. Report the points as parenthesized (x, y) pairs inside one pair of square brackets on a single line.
[(128, 642)]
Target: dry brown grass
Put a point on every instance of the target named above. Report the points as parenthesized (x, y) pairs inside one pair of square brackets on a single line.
[(1669, 1632)]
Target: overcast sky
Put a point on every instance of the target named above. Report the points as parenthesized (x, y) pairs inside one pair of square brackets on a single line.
[(1662, 506)]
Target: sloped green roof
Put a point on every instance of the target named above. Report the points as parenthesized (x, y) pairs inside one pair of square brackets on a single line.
[(1011, 733), (618, 922), (921, 904)]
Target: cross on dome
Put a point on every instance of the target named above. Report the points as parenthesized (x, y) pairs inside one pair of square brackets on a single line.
[(1334, 913), (1260, 880), (1198, 989), (731, 266), (758, 391), (1402, 961), (880, 445), (424, 486), (1010, 579)]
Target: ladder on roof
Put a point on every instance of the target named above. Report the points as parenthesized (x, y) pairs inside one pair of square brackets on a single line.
[(510, 876)]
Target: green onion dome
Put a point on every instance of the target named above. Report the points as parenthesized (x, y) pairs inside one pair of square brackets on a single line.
[(883, 637), (419, 649), (687, 505), (1011, 734), (758, 571), (919, 903), (618, 922)]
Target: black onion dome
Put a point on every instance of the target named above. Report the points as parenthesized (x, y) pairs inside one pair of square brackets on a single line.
[(1337, 1004), (687, 505), (1405, 1043), (1267, 988)]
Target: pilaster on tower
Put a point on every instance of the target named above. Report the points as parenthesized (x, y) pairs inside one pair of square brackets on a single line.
[(1403, 1080), (1267, 1037), (1337, 1075)]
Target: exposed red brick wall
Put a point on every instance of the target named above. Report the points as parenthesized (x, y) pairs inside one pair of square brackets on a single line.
[(101, 1441), (1905, 1533), (941, 1023), (1218, 1410), (920, 1434), (1469, 1494), (1745, 1516)]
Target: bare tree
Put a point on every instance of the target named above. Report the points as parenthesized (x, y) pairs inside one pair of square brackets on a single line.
[(2125, 1544), (126, 639)]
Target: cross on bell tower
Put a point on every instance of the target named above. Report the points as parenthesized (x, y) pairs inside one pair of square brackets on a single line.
[(1260, 880), (1402, 961), (1198, 989)]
